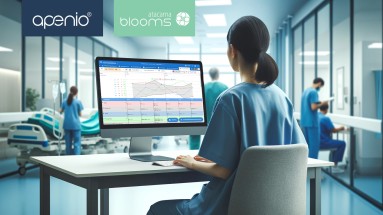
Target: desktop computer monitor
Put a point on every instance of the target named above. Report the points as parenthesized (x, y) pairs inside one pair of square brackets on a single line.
[(142, 98)]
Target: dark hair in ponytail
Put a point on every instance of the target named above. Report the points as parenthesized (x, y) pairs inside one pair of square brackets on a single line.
[(72, 92), (249, 35)]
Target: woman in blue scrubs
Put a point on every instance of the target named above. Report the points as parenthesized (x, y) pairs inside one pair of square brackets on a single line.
[(254, 112), (72, 108)]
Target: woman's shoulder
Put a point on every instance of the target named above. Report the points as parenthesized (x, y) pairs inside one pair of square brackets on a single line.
[(232, 95), (77, 101), (231, 92)]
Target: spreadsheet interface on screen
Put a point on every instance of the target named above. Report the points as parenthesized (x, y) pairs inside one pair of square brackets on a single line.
[(150, 92)]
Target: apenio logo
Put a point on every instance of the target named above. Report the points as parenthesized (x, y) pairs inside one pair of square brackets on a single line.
[(62, 18), (58, 20)]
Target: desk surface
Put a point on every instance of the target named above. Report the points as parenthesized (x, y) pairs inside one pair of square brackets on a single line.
[(120, 164)]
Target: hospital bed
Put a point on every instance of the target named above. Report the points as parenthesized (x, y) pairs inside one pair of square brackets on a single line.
[(42, 134)]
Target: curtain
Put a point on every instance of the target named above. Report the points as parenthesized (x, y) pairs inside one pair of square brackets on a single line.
[(378, 88)]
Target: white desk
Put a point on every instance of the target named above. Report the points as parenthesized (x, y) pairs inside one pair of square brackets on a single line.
[(104, 171)]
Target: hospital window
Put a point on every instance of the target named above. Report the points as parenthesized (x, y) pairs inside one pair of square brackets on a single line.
[(367, 66), (69, 60), (341, 41), (297, 67)]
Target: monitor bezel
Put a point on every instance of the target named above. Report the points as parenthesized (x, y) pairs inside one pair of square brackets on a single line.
[(154, 125)]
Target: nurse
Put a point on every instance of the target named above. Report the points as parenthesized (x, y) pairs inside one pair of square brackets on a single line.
[(309, 116), (212, 90), (327, 128), (72, 108), (254, 112)]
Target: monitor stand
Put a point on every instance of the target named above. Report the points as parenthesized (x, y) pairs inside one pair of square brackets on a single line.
[(141, 149)]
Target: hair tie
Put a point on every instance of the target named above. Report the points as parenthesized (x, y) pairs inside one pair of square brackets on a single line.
[(261, 54)]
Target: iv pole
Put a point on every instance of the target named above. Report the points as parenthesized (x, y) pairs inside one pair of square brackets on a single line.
[(62, 91), (55, 91)]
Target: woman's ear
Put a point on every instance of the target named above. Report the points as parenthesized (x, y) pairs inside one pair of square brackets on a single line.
[(232, 51), (232, 54)]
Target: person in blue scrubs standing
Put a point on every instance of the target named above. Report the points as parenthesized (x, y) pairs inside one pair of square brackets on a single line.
[(212, 90), (72, 108), (254, 112), (326, 141), (309, 116)]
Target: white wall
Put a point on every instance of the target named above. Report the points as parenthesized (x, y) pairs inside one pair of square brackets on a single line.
[(10, 82), (152, 53), (10, 91), (341, 60), (368, 147), (10, 37)]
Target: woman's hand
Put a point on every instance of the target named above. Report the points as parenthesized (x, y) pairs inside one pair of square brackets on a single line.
[(203, 165), (187, 161), (184, 160), (202, 159)]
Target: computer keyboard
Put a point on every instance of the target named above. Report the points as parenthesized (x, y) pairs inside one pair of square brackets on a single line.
[(163, 163)]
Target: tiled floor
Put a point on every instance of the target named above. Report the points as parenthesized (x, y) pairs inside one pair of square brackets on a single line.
[(20, 196)]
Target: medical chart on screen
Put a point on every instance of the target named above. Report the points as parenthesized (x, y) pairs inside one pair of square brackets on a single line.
[(145, 94)]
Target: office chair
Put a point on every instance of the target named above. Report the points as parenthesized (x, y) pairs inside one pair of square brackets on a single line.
[(270, 180)]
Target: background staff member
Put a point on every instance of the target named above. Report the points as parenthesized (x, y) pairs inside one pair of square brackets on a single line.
[(72, 108), (326, 141), (309, 116), (212, 90)]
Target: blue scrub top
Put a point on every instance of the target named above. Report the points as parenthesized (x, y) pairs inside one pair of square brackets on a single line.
[(309, 118), (326, 127), (212, 91), (71, 114), (243, 116)]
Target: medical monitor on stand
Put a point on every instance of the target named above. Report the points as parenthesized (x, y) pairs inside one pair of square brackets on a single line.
[(142, 98)]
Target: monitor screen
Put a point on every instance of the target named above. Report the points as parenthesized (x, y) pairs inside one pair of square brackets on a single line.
[(147, 93)]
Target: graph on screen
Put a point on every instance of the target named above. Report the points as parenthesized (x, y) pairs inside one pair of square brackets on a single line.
[(154, 88), (144, 94)]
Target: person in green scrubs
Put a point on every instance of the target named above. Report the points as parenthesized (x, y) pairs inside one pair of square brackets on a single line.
[(212, 90)]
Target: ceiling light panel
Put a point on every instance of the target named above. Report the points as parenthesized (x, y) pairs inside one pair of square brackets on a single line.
[(54, 59), (202, 3), (4, 49), (216, 35), (184, 40), (375, 46), (213, 20), (312, 53)]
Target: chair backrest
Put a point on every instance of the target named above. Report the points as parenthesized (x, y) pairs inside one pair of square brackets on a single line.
[(270, 180)]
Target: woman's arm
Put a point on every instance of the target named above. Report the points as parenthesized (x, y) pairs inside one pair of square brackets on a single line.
[(335, 130), (206, 166)]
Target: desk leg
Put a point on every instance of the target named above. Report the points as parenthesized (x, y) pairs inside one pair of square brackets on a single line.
[(44, 192), (92, 199), (104, 201), (315, 196)]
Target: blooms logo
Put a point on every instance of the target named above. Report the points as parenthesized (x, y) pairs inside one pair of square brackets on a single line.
[(154, 18), (62, 18), (183, 19)]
